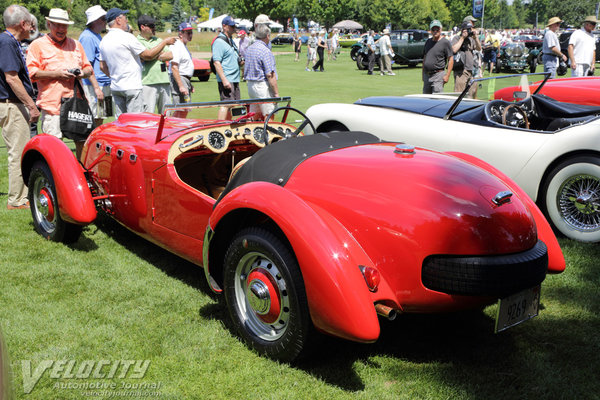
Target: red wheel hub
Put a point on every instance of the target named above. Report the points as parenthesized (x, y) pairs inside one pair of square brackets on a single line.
[(46, 205), (263, 295)]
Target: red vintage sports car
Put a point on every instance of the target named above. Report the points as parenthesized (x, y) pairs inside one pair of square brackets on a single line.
[(323, 231), (581, 90), (201, 69)]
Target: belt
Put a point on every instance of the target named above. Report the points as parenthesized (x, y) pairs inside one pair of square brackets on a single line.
[(434, 72), (16, 101)]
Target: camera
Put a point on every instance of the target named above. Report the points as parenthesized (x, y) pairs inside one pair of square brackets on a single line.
[(470, 31), (163, 67), (74, 71)]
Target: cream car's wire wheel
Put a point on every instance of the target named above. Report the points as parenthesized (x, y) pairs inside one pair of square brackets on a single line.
[(571, 198), (579, 202), (261, 296)]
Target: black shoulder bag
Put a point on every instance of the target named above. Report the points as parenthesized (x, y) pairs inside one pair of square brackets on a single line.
[(76, 119)]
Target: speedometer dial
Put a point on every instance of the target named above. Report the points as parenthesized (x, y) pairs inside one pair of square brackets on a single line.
[(216, 140), (258, 135)]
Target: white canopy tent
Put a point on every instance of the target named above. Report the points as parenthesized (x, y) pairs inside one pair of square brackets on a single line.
[(212, 24)]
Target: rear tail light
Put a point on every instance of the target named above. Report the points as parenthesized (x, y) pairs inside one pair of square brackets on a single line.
[(372, 277)]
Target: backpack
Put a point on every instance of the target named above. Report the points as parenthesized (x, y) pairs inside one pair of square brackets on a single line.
[(459, 61)]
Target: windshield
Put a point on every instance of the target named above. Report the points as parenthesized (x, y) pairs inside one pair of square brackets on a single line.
[(511, 88)]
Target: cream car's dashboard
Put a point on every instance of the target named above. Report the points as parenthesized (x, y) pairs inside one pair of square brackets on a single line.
[(217, 139)]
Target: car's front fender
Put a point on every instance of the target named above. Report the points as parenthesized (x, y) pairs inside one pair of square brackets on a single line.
[(329, 257), (75, 201)]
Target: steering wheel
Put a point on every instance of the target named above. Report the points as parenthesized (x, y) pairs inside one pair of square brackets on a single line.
[(515, 116), (267, 128)]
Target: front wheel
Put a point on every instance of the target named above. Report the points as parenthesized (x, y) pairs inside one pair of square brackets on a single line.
[(572, 198), (265, 294), (353, 53), (359, 62), (43, 202)]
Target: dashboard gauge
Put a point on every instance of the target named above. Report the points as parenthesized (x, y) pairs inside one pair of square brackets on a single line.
[(288, 132), (280, 131), (247, 131), (216, 140), (228, 133), (258, 135)]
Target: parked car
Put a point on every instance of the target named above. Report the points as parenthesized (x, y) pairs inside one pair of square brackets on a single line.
[(348, 40), (282, 38), (201, 69), (512, 56), (534, 45), (583, 90), (325, 230), (551, 149), (408, 45)]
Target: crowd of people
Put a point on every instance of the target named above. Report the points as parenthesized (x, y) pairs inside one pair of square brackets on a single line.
[(132, 71)]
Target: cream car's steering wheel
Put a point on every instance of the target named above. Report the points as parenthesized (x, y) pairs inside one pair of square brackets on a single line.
[(515, 116)]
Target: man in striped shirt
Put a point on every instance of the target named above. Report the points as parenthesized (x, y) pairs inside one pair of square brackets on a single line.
[(260, 71)]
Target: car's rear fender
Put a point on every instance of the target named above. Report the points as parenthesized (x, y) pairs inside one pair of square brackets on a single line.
[(75, 201), (339, 300), (556, 259)]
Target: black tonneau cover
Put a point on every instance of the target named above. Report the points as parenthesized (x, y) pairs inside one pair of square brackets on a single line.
[(276, 162), (420, 105)]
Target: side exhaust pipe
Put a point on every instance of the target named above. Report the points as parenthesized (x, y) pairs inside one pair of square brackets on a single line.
[(386, 311)]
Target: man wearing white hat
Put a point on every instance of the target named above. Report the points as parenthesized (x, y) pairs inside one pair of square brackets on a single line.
[(551, 54), (54, 61), (97, 87), (582, 48)]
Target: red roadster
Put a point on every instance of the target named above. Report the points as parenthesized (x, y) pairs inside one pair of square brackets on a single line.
[(581, 90), (325, 231)]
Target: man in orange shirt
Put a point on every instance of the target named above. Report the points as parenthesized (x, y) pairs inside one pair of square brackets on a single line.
[(54, 62)]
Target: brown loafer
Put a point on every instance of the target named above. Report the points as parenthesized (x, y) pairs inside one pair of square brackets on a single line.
[(21, 207)]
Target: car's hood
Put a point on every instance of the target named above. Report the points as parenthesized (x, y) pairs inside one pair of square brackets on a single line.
[(431, 106), (408, 206)]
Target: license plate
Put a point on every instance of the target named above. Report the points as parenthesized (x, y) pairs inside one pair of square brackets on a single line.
[(517, 308)]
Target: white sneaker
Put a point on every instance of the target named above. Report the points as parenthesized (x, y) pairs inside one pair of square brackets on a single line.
[(391, 73), (381, 73)]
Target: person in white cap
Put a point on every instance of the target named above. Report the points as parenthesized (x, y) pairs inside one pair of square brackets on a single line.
[(551, 54), (582, 48), (120, 54), (97, 87), (54, 61)]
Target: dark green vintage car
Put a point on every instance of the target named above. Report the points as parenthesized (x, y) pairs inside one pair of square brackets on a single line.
[(408, 45), (512, 56)]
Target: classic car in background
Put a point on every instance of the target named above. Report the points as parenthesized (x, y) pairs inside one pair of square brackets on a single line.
[(282, 38), (349, 40), (408, 45), (201, 69), (551, 149), (581, 90), (534, 45), (306, 231), (512, 56)]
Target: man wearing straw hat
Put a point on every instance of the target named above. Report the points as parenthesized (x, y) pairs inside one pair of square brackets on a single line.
[(551, 54), (582, 48)]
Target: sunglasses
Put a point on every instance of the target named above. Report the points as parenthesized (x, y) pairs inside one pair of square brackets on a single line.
[(152, 26)]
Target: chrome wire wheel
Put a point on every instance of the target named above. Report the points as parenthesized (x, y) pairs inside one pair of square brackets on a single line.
[(261, 296), (43, 205), (571, 198), (579, 202)]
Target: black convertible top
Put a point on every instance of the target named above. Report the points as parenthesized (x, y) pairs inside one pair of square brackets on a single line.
[(276, 162)]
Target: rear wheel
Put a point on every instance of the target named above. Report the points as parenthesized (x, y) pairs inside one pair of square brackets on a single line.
[(571, 197), (43, 202), (265, 294)]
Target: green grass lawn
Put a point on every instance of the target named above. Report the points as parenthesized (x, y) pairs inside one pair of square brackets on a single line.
[(113, 296)]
